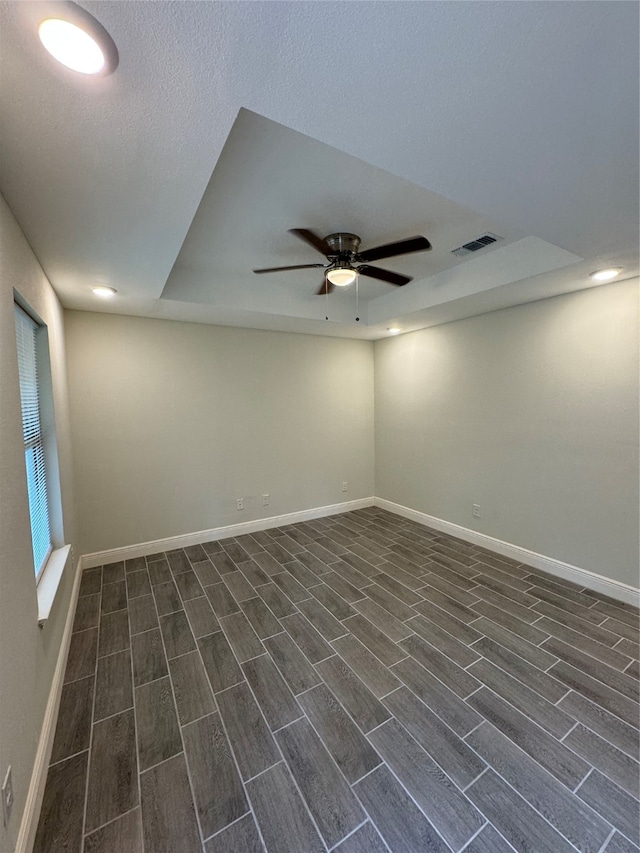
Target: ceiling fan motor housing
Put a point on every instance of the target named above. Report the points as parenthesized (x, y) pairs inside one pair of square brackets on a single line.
[(343, 243)]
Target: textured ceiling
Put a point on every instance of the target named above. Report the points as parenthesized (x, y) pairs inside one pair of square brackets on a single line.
[(526, 114)]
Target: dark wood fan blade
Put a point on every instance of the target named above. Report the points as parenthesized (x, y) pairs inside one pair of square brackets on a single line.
[(311, 238), (402, 247), (298, 267), (327, 287), (384, 275)]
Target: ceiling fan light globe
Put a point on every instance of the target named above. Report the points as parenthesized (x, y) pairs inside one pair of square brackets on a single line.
[(341, 277)]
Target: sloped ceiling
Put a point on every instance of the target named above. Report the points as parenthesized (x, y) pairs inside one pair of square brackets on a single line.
[(225, 124)]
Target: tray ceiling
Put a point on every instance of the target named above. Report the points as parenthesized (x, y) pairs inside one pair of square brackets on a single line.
[(227, 123)]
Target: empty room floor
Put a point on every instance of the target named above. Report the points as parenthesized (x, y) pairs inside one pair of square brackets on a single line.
[(358, 683)]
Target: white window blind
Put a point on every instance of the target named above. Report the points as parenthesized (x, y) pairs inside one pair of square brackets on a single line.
[(26, 332)]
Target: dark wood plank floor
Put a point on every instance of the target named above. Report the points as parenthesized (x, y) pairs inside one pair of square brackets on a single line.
[(358, 683)]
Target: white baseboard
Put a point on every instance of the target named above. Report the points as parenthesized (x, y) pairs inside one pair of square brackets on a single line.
[(587, 579), (99, 558), (583, 577), (31, 813)]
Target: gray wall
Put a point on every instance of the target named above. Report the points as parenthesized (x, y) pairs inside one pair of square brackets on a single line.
[(531, 412), (29, 654), (174, 421)]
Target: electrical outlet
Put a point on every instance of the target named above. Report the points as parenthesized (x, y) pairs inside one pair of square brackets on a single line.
[(265, 500), (7, 796), (476, 510), (344, 485), (240, 503)]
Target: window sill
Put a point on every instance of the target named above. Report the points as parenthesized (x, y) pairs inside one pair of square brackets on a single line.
[(49, 582)]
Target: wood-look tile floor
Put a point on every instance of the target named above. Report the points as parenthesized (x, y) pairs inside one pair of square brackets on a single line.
[(358, 683)]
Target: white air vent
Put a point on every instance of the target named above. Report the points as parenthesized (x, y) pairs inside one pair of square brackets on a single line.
[(475, 245)]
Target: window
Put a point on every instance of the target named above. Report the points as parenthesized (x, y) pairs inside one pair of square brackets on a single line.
[(33, 368)]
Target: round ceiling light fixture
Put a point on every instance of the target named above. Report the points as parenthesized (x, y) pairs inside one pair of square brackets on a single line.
[(394, 330), (74, 37), (342, 276), (104, 292), (606, 275)]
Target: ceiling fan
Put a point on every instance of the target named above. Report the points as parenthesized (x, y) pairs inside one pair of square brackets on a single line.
[(345, 260)]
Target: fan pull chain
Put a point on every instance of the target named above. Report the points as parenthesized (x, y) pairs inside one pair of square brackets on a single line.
[(357, 304), (326, 297)]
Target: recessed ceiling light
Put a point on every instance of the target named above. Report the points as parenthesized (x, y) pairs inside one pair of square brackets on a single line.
[(606, 275), (393, 330), (78, 41), (104, 292)]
